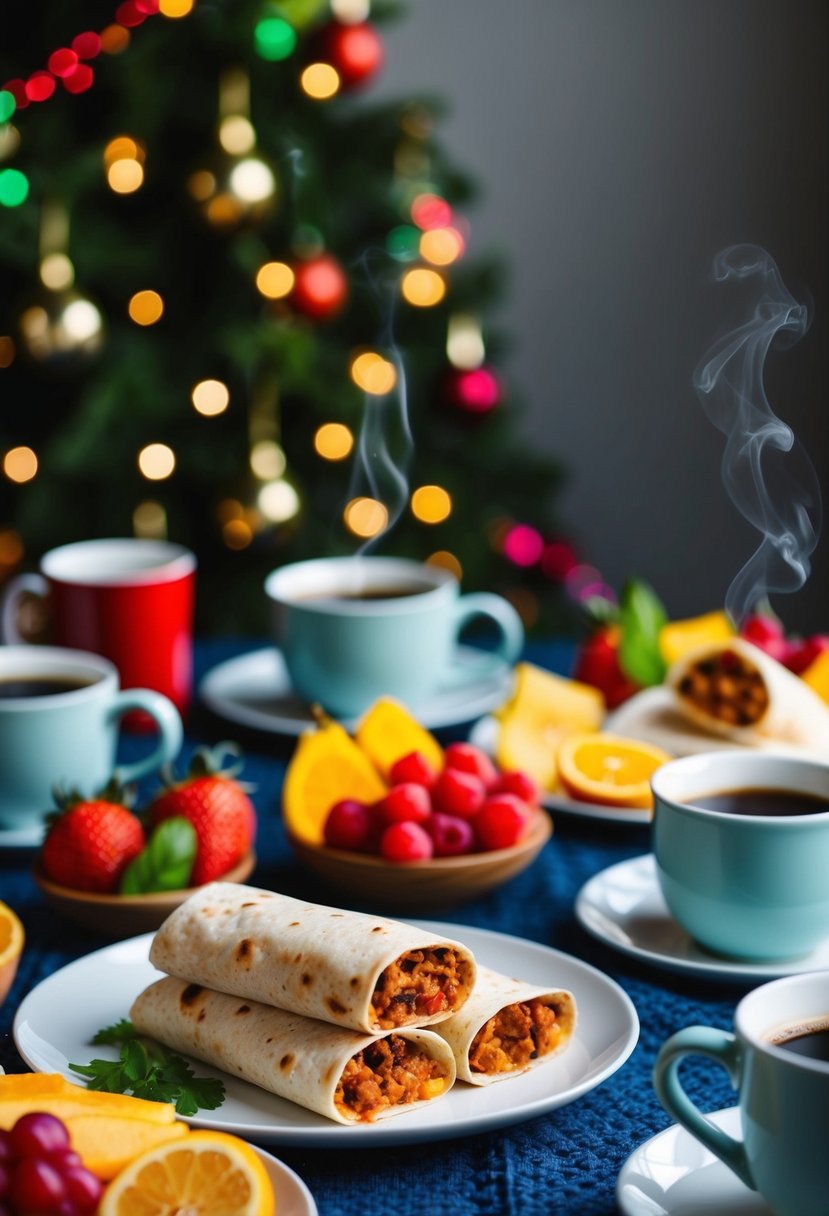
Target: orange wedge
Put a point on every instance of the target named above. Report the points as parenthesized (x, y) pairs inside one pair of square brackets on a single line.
[(608, 769), (11, 947), (205, 1174)]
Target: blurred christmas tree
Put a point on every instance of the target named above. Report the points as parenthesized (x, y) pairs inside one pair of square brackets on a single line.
[(236, 309)]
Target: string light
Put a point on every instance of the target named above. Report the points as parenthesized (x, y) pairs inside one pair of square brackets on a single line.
[(320, 81), (278, 501), (236, 134), (20, 464), (351, 12), (237, 533), (431, 211), (431, 504), (14, 187), (175, 8), (333, 441), (57, 272), (7, 105), (156, 461), (149, 521), (464, 342), (210, 397), (125, 176), (274, 39), (146, 307), (441, 246), (267, 460), (403, 243), (252, 180), (446, 561), (365, 517), (422, 287), (523, 545), (11, 548), (275, 280), (114, 39), (373, 374)]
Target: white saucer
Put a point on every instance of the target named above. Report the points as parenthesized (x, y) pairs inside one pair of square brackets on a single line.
[(623, 907), (673, 1175), (254, 690), (22, 838)]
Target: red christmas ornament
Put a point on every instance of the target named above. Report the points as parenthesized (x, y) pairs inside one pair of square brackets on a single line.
[(320, 287), (476, 390), (356, 51)]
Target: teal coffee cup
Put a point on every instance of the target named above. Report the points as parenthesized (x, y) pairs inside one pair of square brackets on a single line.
[(352, 629), (60, 712), (741, 844), (778, 1060)]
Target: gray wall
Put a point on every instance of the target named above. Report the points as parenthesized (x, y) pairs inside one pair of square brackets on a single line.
[(619, 145)]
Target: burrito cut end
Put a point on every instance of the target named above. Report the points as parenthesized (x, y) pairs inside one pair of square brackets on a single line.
[(420, 986), (390, 1072), (522, 1033), (723, 685)]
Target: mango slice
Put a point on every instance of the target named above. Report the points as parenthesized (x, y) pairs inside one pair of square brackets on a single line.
[(387, 732), (107, 1143), (30, 1091), (816, 675), (679, 638)]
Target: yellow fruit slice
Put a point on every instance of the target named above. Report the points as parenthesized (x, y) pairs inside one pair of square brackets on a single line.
[(679, 638), (207, 1174), (387, 731), (326, 767), (29, 1091), (816, 675), (11, 947), (608, 769), (543, 709), (107, 1143)]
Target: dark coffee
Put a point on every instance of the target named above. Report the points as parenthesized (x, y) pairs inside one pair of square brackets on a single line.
[(399, 591), (15, 687), (809, 1039), (770, 804)]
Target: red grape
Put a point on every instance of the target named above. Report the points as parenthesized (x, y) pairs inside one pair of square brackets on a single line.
[(348, 826), (36, 1186), (38, 1133)]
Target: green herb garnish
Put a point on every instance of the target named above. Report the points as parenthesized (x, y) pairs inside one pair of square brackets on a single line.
[(145, 1069), (641, 615), (166, 862)]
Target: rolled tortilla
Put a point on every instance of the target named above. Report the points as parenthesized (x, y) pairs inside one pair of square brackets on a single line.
[(348, 968), (507, 1027), (735, 690), (341, 1074)]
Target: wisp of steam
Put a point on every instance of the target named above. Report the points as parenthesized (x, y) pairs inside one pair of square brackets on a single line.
[(765, 470)]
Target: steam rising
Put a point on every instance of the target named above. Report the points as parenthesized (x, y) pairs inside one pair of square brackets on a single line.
[(765, 470)]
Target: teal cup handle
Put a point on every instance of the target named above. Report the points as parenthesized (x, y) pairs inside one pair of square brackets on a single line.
[(170, 730), (507, 648), (724, 1049)]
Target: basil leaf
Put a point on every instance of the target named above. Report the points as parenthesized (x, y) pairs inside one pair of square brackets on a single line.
[(166, 863), (641, 616)]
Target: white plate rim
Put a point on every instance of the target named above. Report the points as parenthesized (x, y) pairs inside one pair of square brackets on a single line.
[(657, 1147), (482, 735), (441, 1121), (597, 917), (293, 1198), (221, 687)]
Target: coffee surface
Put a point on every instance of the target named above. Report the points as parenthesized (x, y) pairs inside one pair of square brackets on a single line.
[(768, 803), (397, 592), (808, 1039), (15, 687)]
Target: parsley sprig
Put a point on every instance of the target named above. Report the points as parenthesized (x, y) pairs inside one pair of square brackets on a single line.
[(145, 1069)]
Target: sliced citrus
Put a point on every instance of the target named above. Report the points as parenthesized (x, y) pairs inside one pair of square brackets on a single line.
[(678, 638), (11, 947), (206, 1174), (608, 769), (387, 731)]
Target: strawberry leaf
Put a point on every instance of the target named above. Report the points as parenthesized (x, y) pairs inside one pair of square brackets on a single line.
[(641, 616), (166, 863)]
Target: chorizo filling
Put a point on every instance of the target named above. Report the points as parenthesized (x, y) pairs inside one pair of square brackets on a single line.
[(390, 1072), (517, 1035), (727, 687), (419, 984)]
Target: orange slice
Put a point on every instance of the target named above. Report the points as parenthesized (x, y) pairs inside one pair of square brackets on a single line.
[(206, 1174), (11, 947), (387, 731), (608, 769)]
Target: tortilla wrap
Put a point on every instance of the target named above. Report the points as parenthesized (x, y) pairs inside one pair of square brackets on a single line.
[(348, 968), (749, 698), (291, 1056), (508, 1055)]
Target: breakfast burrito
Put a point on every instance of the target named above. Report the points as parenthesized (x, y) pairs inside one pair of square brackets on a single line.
[(364, 972), (346, 1076), (507, 1027), (735, 690)]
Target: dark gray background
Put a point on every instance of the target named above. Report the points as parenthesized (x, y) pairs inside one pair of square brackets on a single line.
[(618, 146)]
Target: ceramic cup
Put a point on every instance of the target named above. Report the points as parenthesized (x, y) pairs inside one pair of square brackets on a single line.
[(784, 1096), (130, 600), (356, 628), (747, 886), (59, 716)]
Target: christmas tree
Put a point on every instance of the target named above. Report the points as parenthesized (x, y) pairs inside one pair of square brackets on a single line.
[(237, 307)]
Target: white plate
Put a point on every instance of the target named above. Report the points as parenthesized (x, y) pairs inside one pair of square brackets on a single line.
[(56, 1021), (673, 1175), (292, 1195), (22, 838), (623, 907), (483, 736), (254, 690)]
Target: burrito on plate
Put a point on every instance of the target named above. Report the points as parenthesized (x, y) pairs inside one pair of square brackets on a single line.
[(347, 1076), (735, 690), (355, 970), (506, 1027)]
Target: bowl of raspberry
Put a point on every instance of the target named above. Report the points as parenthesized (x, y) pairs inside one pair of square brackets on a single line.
[(436, 838)]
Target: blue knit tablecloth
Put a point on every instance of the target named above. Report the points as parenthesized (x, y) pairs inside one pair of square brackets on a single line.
[(564, 1163)]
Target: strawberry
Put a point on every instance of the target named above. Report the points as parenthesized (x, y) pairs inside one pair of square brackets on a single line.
[(218, 808), (91, 842)]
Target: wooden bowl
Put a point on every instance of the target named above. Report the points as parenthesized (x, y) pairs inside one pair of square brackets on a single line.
[(425, 885), (125, 915)]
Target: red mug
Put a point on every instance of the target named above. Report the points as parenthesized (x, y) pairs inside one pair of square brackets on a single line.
[(130, 600)]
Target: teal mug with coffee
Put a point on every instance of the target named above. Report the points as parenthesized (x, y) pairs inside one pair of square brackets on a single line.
[(60, 712), (352, 629), (778, 1059)]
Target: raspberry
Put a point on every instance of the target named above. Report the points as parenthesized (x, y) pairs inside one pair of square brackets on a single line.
[(406, 802), (349, 826), (470, 759), (451, 835), (458, 793), (406, 842), (501, 821), (519, 783), (412, 767)]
